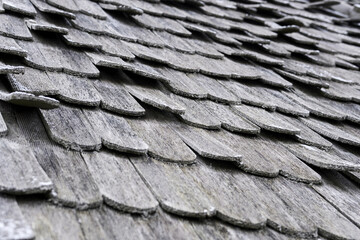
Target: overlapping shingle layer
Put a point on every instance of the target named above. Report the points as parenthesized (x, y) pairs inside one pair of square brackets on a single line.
[(186, 119)]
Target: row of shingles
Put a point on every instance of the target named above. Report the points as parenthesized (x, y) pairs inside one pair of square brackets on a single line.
[(277, 99), (94, 144), (321, 106), (223, 213), (82, 199), (232, 117), (25, 83), (72, 89), (328, 38), (77, 179), (106, 223), (211, 190), (66, 190), (335, 75), (315, 135), (20, 174)]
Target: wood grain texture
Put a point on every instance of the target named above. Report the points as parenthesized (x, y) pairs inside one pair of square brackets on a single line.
[(296, 216), (334, 130), (115, 98), (73, 184), (230, 120), (59, 124), (152, 94), (115, 132), (341, 193), (14, 27), (266, 120), (43, 6), (49, 221), (163, 142), (204, 144), (75, 90), (320, 158), (21, 173), (9, 46), (119, 183), (79, 38), (33, 81), (13, 224), (306, 135), (3, 127), (197, 114)]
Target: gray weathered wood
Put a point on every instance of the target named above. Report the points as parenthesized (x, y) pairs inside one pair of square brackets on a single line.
[(12, 222), (266, 120), (320, 158), (9, 45), (303, 79), (266, 157), (91, 9), (33, 81), (248, 95), (68, 126), (114, 47), (115, 98), (337, 131), (285, 104), (216, 91), (73, 184), (203, 189), (163, 142), (14, 27), (20, 171), (68, 5), (75, 90), (3, 127), (257, 30), (19, 6), (306, 135), (119, 183), (204, 144), (92, 25), (343, 92), (115, 132), (102, 60), (315, 210), (270, 77), (49, 56), (51, 222), (40, 25), (42, 6), (29, 100), (107, 223), (181, 84), (314, 105), (342, 193), (197, 113), (159, 23), (152, 94), (181, 195), (79, 38), (231, 120)]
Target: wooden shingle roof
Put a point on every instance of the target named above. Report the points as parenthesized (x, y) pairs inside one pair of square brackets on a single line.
[(186, 119)]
